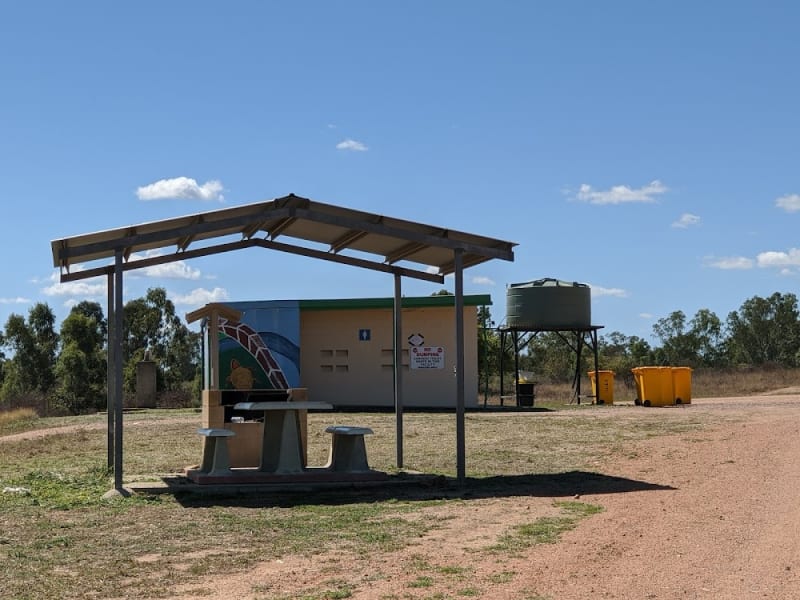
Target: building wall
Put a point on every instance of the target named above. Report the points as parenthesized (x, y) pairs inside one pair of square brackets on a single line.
[(338, 364)]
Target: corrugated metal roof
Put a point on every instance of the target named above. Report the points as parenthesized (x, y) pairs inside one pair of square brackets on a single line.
[(304, 227)]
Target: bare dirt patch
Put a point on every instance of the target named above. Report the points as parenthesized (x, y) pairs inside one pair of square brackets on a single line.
[(716, 516), (38, 434)]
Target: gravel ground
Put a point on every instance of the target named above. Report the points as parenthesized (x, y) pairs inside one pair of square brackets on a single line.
[(727, 527)]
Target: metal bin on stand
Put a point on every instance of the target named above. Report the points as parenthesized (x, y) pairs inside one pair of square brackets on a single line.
[(525, 393)]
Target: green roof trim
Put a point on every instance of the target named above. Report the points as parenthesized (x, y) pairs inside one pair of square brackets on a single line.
[(407, 302)]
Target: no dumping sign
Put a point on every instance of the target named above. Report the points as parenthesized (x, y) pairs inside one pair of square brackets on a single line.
[(426, 357)]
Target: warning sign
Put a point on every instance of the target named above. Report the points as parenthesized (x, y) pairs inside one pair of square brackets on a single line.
[(426, 357)]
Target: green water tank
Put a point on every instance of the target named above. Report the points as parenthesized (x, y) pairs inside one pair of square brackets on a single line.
[(548, 304)]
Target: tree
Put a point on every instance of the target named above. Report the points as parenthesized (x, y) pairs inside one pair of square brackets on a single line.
[(93, 310), (550, 356), (707, 338), (620, 353), (676, 345), (489, 347), (152, 327), (765, 330), (33, 344), (81, 365), (2, 359)]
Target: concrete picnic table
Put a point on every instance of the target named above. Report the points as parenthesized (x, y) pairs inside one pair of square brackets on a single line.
[(281, 446)]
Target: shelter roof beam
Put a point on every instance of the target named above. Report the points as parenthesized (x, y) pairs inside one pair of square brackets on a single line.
[(405, 251), (251, 243), (186, 240), (467, 261), (251, 230), (347, 239), (423, 235), (128, 250), (281, 226), (165, 235)]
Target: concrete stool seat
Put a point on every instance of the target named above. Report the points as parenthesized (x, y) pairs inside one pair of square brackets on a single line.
[(215, 451), (348, 452)]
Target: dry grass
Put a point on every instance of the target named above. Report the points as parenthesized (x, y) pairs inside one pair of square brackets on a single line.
[(59, 539), (743, 382), (17, 418), (706, 383)]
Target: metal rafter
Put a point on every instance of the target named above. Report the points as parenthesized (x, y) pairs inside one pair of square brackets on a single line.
[(184, 242), (281, 226), (253, 243), (348, 238), (404, 251)]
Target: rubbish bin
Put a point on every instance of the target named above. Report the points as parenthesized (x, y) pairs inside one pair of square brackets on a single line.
[(603, 388), (682, 384), (653, 386), (525, 393)]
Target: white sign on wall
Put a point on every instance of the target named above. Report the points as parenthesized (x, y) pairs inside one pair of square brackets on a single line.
[(426, 357)]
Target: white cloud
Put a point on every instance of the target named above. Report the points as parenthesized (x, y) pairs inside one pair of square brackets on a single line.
[(172, 270), (482, 281), (94, 287), (77, 288), (645, 315), (620, 194), (183, 188), (789, 203), (200, 297), (17, 300), (686, 220), (779, 259), (598, 291), (353, 145), (731, 263)]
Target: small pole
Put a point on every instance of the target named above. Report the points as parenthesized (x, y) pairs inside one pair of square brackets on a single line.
[(118, 324), (398, 367)]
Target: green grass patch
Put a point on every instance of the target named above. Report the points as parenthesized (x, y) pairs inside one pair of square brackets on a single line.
[(423, 581), (545, 530)]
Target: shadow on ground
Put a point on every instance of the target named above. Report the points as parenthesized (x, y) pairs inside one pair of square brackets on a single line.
[(406, 487)]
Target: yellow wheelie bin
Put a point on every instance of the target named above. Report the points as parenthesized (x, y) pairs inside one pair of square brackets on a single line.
[(602, 386), (682, 384), (653, 386)]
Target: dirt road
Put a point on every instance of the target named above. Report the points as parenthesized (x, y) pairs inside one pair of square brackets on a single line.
[(728, 529)]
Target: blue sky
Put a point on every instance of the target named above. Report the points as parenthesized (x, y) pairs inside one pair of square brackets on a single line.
[(649, 149)]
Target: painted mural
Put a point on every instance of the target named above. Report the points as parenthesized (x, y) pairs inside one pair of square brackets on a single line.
[(262, 350)]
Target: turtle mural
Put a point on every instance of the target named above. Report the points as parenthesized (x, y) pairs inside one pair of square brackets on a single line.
[(246, 361)]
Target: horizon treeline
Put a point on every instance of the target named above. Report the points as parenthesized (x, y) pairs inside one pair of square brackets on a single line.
[(762, 332), (64, 371)]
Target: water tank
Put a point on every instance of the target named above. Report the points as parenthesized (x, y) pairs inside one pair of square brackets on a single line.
[(548, 304)]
